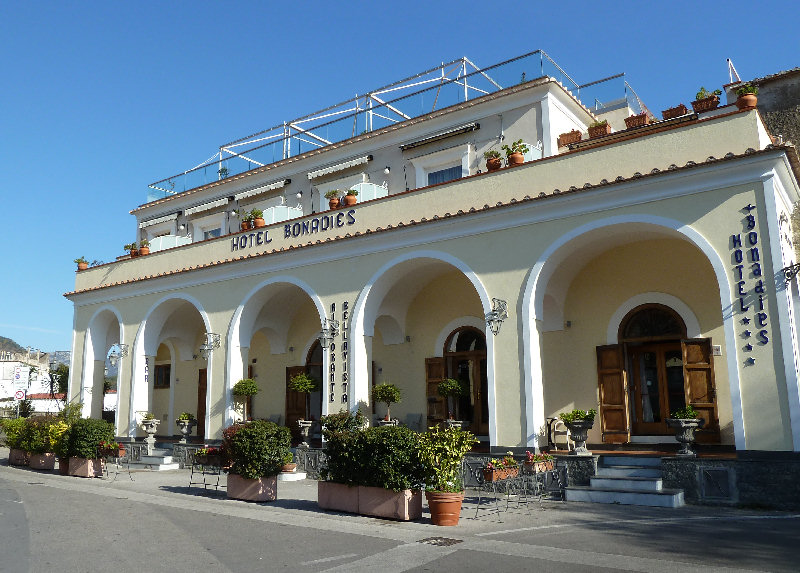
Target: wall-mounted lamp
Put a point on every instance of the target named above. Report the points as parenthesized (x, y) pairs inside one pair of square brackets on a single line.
[(330, 328), (212, 341), (387, 170), (118, 351), (181, 227), (498, 314), (299, 195)]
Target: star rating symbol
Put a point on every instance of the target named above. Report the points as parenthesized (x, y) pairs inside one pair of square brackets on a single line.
[(745, 320), (750, 361), (747, 333), (749, 207), (748, 347)]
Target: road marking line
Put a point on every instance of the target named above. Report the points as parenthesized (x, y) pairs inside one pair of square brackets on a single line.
[(327, 559), (397, 559)]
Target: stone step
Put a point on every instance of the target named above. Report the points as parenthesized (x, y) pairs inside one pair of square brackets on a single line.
[(628, 471), (663, 498), (627, 483), (159, 467), (291, 476), (156, 459), (622, 460)]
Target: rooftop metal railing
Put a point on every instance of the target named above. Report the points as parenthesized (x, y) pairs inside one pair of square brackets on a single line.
[(442, 86)]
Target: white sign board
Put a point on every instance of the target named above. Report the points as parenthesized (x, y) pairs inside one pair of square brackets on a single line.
[(21, 376)]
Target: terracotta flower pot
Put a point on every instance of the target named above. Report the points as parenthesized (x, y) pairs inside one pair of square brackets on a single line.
[(705, 104), (515, 159), (259, 222), (288, 468), (674, 112), (493, 164), (245, 225), (637, 120), (134, 253), (83, 266), (599, 131), (445, 507), (747, 101), (569, 137), (144, 250), (333, 203), (350, 200)]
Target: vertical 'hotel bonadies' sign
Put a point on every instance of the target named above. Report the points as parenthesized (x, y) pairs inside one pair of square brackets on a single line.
[(343, 353), (313, 226)]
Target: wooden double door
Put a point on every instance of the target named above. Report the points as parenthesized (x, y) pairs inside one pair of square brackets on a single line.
[(641, 384)]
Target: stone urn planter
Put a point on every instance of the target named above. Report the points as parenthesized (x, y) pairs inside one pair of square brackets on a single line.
[(185, 427), (684, 433), (150, 426), (579, 430), (305, 428)]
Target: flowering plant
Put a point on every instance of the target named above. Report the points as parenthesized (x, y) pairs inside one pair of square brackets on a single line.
[(534, 458), (507, 461), (209, 451), (108, 447)]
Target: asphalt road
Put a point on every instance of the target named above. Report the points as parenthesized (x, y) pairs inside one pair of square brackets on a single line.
[(157, 523)]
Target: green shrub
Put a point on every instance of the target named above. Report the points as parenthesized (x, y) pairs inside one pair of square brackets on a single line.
[(452, 387), (246, 387), (36, 435), (342, 421), (388, 394), (747, 89), (258, 448), (14, 430), (86, 434), (441, 451), (686, 413), (568, 417)]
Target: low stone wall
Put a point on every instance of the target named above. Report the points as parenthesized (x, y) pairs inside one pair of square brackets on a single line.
[(579, 468), (769, 482)]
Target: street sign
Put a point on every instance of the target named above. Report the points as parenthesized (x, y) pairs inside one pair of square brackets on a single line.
[(19, 394)]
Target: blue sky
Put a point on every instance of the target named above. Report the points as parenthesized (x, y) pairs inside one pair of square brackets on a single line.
[(99, 99)]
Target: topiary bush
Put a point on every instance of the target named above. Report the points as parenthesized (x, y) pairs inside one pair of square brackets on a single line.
[(388, 394), (258, 448), (246, 387), (86, 434)]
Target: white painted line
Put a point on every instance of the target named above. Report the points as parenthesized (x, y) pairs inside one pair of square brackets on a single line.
[(397, 559), (327, 559)]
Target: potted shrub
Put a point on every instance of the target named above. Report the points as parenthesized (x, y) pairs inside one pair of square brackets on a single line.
[(441, 451), (14, 430), (84, 437), (245, 389), (350, 198), (59, 441), (370, 471), (706, 100), (579, 422), (222, 172), (388, 394), (144, 247), (452, 389), (208, 456), (747, 97), (503, 468), (36, 443), (186, 423), (599, 129), (333, 198), (110, 449), (258, 218), (569, 137), (132, 249), (685, 422), (83, 264), (674, 112), (515, 153), (637, 120), (493, 161), (257, 450), (304, 384), (288, 464)]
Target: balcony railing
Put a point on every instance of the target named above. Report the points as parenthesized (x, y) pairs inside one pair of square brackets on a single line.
[(445, 85)]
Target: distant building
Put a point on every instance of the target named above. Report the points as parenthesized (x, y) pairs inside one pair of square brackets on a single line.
[(635, 272)]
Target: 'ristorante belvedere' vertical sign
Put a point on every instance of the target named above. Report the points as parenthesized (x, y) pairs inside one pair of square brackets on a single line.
[(343, 353)]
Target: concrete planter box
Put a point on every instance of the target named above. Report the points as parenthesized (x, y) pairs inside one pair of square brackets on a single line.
[(17, 457), (262, 489), (337, 496), (45, 461), (373, 501), (401, 505), (86, 468)]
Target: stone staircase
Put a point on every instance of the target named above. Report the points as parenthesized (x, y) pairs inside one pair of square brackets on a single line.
[(160, 460), (627, 480)]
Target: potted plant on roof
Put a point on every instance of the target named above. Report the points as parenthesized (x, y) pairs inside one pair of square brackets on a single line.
[(747, 96), (244, 390), (388, 394), (333, 198), (599, 129), (257, 450), (579, 422), (83, 264), (637, 120), (441, 451), (144, 247), (350, 198), (493, 161), (84, 437), (304, 384), (515, 153), (569, 137), (706, 100), (452, 389), (132, 249), (674, 112), (14, 430), (685, 422), (258, 218), (185, 422)]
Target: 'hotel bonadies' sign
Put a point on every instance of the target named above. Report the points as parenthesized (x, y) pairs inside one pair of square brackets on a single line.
[(315, 225)]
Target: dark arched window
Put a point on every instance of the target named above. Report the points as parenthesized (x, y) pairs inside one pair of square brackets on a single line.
[(652, 322)]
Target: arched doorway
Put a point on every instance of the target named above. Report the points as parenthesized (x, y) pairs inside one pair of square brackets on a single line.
[(652, 337), (295, 401), (465, 360)]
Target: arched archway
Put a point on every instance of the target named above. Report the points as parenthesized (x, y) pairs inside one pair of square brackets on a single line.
[(464, 353), (103, 332)]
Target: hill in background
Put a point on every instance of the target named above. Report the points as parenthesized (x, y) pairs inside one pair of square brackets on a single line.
[(8, 345)]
